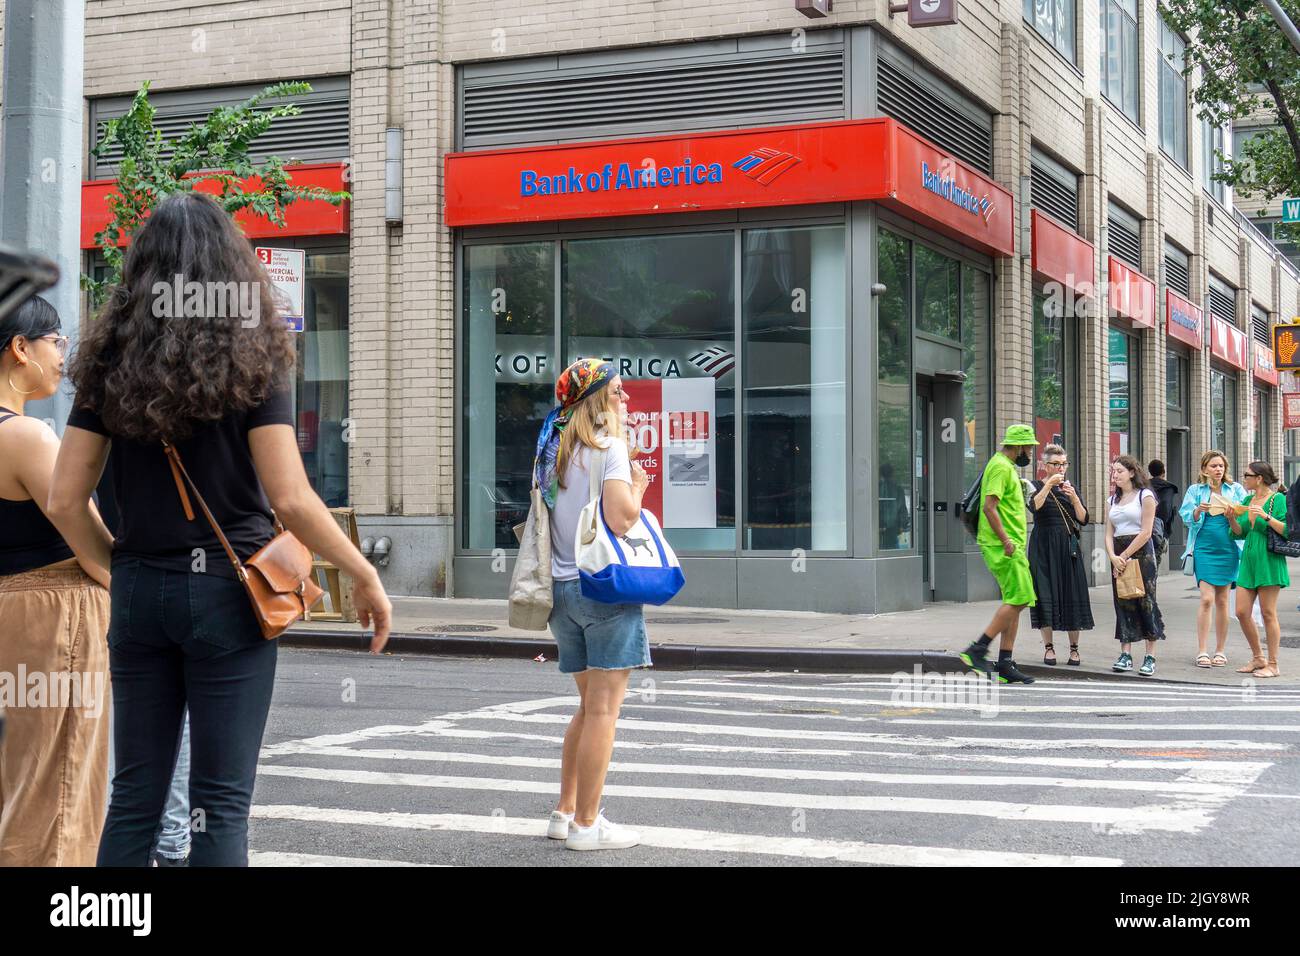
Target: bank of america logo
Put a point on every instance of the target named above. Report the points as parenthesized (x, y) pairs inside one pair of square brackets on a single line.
[(765, 164), (716, 361)]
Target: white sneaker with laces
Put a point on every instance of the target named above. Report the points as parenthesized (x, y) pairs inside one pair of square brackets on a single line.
[(601, 835), (558, 828)]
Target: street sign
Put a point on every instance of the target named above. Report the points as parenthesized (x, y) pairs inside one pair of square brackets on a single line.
[(813, 8), (1291, 409), (931, 13), (1286, 346), (288, 271), (1291, 210)]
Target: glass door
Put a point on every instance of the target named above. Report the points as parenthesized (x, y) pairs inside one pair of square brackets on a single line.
[(924, 474)]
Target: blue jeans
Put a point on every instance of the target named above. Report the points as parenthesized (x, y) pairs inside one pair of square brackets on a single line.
[(174, 837), (595, 636), (179, 639)]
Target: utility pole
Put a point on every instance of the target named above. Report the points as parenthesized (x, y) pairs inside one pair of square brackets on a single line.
[(41, 129), (1284, 22)]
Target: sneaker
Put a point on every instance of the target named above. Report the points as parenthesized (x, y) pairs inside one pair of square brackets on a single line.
[(976, 657), (1125, 663), (1009, 673), (601, 835), (558, 828), (1148, 666)]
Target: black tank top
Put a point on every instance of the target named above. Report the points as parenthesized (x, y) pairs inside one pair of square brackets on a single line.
[(27, 539)]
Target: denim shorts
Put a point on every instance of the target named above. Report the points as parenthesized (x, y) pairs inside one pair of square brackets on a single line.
[(596, 636)]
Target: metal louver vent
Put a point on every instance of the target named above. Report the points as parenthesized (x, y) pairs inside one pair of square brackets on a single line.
[(1259, 326), (1224, 306), (1123, 243), (756, 90), (1177, 276), (319, 132), (1053, 196), (900, 95)]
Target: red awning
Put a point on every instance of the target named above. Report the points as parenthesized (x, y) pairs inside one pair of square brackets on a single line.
[(1183, 321), (1132, 295), (1228, 343), (839, 161), (314, 218), (1061, 255)]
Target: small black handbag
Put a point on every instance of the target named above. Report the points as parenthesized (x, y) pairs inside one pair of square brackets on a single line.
[(1280, 543)]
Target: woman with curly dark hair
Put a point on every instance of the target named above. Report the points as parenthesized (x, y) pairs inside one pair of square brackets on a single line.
[(190, 352)]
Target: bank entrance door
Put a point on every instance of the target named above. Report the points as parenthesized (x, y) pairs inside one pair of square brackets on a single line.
[(923, 513), (1178, 451)]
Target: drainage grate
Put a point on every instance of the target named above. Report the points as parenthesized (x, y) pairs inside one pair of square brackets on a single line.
[(454, 628), (687, 620), (1291, 640)]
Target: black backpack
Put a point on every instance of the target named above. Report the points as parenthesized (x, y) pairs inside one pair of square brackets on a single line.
[(971, 504)]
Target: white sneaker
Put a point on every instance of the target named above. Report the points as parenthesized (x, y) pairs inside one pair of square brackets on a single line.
[(558, 828), (601, 835)]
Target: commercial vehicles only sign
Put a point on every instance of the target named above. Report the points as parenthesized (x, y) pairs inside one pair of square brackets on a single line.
[(288, 271)]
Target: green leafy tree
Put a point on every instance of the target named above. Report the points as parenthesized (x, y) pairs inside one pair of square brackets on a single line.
[(213, 151), (1246, 64)]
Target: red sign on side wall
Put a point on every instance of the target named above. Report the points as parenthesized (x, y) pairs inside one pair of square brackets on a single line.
[(1183, 321), (1132, 295), (1291, 409), (837, 161), (1061, 255), (1264, 370), (1229, 343)]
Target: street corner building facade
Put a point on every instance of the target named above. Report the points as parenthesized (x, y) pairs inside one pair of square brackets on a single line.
[(832, 258)]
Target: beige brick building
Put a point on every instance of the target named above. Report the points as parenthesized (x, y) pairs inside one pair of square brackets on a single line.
[(1028, 106)]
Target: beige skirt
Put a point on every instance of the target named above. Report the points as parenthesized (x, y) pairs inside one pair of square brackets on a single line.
[(55, 695)]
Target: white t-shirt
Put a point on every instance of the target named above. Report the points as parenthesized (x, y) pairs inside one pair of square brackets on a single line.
[(572, 497), (1127, 518)]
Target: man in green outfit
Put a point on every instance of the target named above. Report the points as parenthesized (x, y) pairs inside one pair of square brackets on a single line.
[(1002, 539)]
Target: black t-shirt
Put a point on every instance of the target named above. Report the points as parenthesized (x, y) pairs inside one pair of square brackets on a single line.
[(151, 520)]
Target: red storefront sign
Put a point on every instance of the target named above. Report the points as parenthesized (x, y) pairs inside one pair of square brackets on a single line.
[(304, 218), (840, 161), (1264, 370), (1132, 295), (1228, 343), (1291, 409), (1060, 255), (1183, 321)]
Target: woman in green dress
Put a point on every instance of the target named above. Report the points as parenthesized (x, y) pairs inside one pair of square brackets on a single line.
[(1262, 573)]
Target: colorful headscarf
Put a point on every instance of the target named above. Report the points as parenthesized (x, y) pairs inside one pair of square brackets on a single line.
[(574, 384)]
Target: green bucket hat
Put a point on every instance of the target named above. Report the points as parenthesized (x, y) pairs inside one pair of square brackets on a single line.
[(1019, 435)]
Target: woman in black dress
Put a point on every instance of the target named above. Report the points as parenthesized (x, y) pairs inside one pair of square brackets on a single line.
[(1056, 558)]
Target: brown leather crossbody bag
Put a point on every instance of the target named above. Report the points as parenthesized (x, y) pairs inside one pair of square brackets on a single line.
[(278, 578)]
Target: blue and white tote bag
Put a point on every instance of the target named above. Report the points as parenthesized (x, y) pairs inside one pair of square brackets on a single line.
[(638, 567)]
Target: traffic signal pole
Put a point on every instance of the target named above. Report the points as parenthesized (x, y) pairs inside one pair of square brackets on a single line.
[(41, 130)]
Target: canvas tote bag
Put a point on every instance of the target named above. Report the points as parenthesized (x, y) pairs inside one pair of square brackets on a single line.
[(531, 597)]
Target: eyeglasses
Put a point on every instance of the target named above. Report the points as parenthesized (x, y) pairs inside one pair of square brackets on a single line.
[(1055, 464), (1249, 474), (621, 392), (60, 343)]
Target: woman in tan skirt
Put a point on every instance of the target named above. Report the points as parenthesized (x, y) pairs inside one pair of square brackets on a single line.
[(54, 687)]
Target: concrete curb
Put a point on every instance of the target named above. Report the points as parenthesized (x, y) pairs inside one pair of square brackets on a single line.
[(684, 656)]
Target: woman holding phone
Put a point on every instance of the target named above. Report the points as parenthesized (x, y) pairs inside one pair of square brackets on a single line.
[(1056, 557), (1262, 574)]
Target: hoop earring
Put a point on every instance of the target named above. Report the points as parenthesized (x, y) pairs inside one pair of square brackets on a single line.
[(30, 390)]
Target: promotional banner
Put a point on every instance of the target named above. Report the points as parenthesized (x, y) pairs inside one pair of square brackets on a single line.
[(1182, 320), (671, 424), (1228, 343), (1264, 370)]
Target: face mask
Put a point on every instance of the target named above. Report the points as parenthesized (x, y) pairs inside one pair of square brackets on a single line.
[(1022, 459)]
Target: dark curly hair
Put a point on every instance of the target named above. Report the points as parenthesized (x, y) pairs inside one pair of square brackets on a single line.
[(152, 374)]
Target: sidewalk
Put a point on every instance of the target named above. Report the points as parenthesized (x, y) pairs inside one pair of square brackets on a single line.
[(788, 640)]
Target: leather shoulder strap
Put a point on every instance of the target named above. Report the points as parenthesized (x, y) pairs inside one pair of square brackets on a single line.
[(178, 470)]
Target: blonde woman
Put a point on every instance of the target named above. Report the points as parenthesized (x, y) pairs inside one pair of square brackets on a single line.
[(599, 644), (53, 621), (1214, 554)]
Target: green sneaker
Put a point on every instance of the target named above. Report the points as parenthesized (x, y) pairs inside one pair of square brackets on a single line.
[(1125, 663), (1148, 666)]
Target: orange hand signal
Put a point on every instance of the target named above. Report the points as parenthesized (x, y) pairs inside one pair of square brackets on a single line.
[(1287, 346)]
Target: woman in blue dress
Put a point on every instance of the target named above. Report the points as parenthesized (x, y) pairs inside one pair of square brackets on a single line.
[(1214, 554)]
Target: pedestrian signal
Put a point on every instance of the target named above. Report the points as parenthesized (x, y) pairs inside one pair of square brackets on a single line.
[(1286, 346)]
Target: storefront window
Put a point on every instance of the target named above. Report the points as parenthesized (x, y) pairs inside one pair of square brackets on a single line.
[(975, 326), (508, 381), (662, 309), (1223, 413), (1173, 380), (1123, 394), (894, 393), (321, 392), (1261, 425), (793, 315), (1050, 378), (937, 278)]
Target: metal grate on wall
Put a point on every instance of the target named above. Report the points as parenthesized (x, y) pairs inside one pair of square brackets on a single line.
[(1054, 193), (1178, 274), (319, 132), (901, 95), (1124, 243), (1222, 304), (591, 102), (1259, 326)]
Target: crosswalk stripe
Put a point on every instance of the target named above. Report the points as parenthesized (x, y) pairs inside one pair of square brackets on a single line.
[(1012, 743), (1230, 771), (1178, 818), (674, 838), (267, 858), (1183, 786), (1128, 687)]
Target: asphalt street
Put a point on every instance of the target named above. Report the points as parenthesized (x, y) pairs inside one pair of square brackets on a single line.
[(450, 761)]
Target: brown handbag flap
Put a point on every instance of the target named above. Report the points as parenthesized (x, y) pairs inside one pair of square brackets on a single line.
[(284, 563)]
